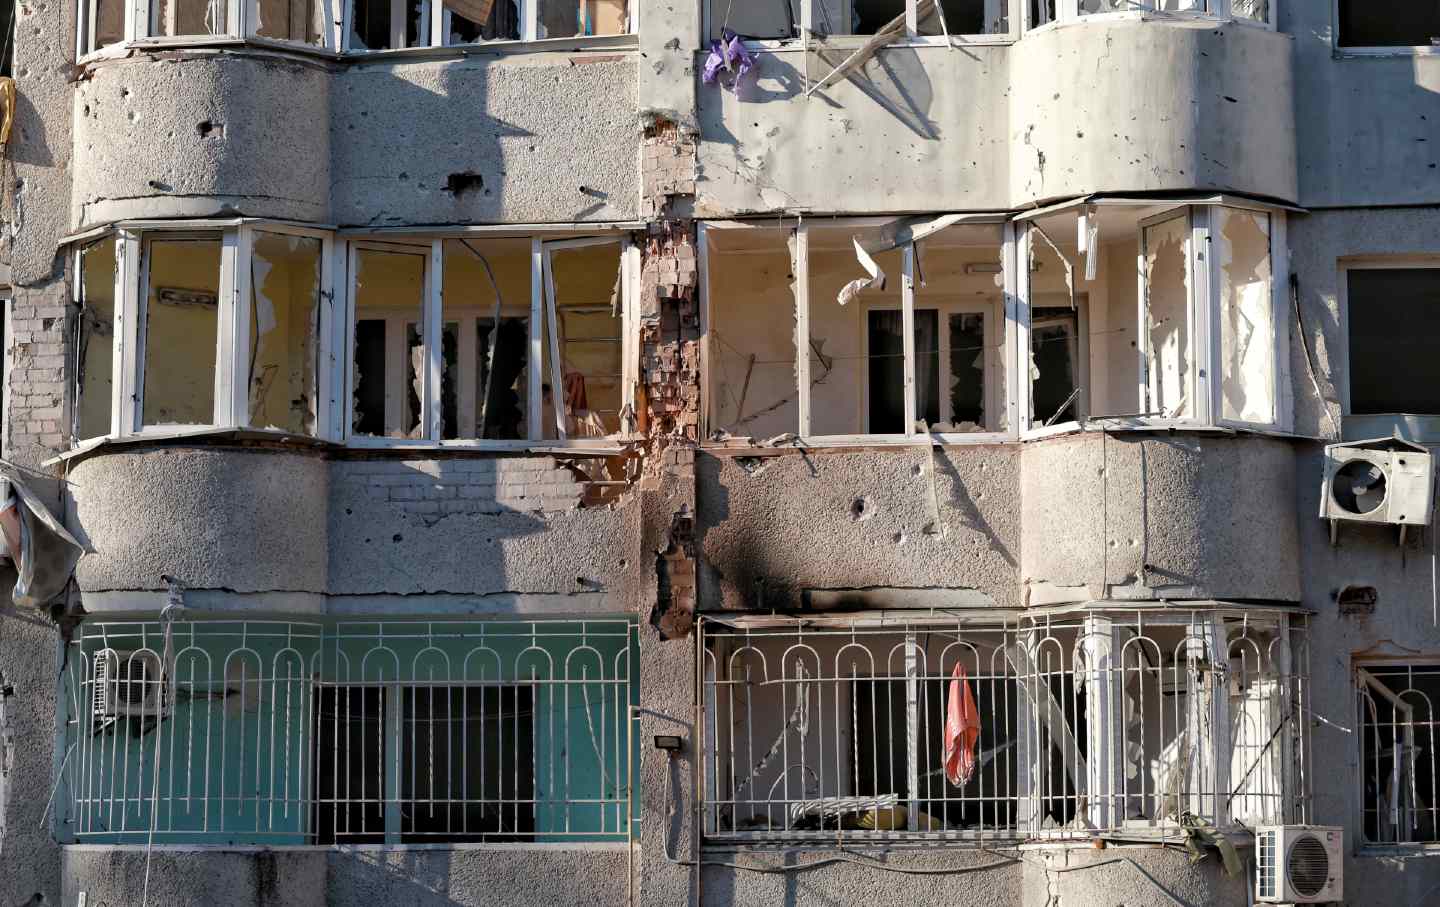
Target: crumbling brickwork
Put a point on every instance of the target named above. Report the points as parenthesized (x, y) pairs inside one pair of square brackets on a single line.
[(35, 422)]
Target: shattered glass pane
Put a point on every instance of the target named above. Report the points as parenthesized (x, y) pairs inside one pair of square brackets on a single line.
[(389, 352), (1388, 23), (372, 28), (1247, 322), (967, 17), (1054, 359), (752, 389), (857, 358), (1090, 7), (577, 18), (96, 354), (758, 19), (107, 23), (182, 305), (590, 338), (1167, 286), (291, 20), (483, 278), (856, 17), (284, 322), (474, 21), (1042, 12), (174, 18), (1256, 10)]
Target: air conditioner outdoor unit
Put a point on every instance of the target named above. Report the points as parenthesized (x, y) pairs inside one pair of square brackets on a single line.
[(1299, 864), (1387, 481), (129, 685)]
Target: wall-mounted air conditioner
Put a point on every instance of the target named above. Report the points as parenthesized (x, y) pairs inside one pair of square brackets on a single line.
[(1299, 864), (1383, 481), (129, 685)]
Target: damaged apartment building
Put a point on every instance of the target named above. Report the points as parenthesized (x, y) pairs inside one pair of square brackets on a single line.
[(720, 452)]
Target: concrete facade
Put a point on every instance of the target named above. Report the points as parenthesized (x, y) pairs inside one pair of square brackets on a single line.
[(672, 526)]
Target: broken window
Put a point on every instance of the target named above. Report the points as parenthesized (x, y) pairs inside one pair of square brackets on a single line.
[(284, 732), (303, 21), (583, 17), (284, 327), (586, 329), (388, 24), (484, 378), (751, 389), (1066, 725), (95, 340), (1167, 342), (1090, 7), (102, 23), (1388, 23), (1090, 351), (181, 294), (758, 19), (184, 18), (1247, 318), (1393, 316), (390, 288), (861, 374), (473, 21), (1042, 12), (1397, 738), (877, 17)]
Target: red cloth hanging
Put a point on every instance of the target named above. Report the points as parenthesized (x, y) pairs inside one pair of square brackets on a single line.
[(962, 729)]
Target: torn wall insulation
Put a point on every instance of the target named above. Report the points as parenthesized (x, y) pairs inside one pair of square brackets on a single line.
[(892, 236), (43, 552)]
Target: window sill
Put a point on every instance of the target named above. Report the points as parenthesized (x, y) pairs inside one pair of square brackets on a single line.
[(447, 52), (1371, 53), (1417, 849), (824, 442), (1198, 19)]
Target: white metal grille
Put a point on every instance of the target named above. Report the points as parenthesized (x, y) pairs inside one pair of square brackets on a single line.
[(1102, 720), (352, 732), (1397, 719), (1266, 870)]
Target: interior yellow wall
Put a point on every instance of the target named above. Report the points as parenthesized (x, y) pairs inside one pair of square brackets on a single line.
[(180, 341), (752, 312), (97, 268)]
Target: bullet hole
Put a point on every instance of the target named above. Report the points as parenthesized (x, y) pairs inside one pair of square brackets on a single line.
[(132, 116), (898, 538), (158, 186), (208, 129), (917, 470), (47, 323), (753, 466), (1357, 600), (397, 537), (86, 110), (1230, 99), (861, 510), (624, 563), (463, 182), (348, 511)]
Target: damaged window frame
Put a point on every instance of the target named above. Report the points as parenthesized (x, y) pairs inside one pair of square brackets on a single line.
[(543, 342), (1417, 731), (232, 381), (1067, 12), (433, 33), (799, 233), (1204, 305), (804, 32)]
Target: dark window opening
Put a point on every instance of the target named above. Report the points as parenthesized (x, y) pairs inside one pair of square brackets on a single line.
[(1394, 321), (504, 413), (482, 20), (370, 376), (1389, 23), (1055, 355), (370, 25), (349, 765), (887, 369), (967, 369)]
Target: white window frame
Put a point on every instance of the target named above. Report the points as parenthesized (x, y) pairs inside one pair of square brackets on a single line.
[(805, 27), (1206, 353), (232, 381), (1423, 427), (994, 312), (1398, 50), (1067, 12), (800, 231), (541, 346)]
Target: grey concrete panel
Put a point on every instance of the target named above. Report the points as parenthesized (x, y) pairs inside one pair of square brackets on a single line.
[(247, 521), (1147, 876), (29, 856), (990, 878), (1182, 515), (202, 135), (520, 876), (1130, 106), (917, 129), (1369, 127), (116, 875), (552, 137), (378, 546), (857, 520)]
